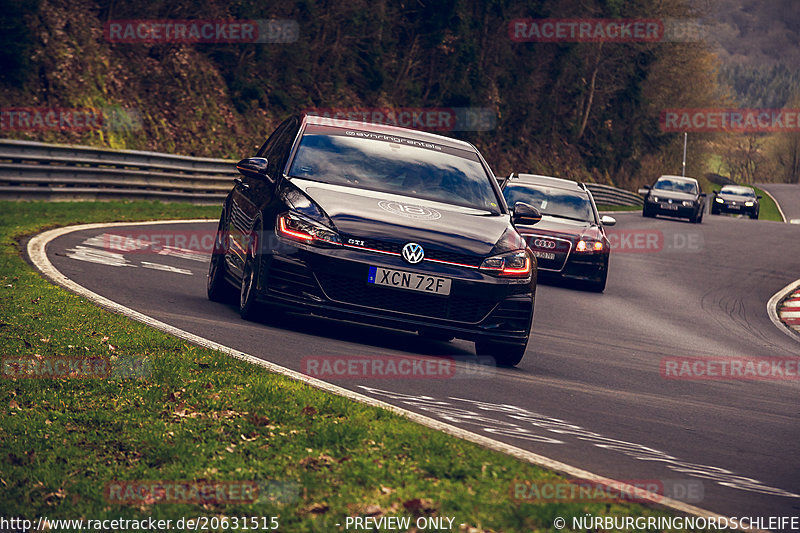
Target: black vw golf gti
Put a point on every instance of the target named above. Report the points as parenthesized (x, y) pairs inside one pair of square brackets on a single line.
[(377, 224)]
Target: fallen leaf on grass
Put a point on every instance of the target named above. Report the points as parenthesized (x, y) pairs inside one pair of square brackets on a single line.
[(309, 410), (419, 505), (317, 508)]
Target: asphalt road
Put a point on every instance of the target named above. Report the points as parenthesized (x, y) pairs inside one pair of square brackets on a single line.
[(788, 196), (591, 390)]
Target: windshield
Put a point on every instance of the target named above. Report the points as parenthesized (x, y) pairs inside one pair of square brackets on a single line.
[(738, 191), (408, 167), (549, 201), (676, 185)]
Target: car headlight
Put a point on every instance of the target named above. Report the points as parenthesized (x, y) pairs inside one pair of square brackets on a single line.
[(719, 200), (589, 246), (749, 204), (293, 226), (516, 264), (687, 203), (654, 199)]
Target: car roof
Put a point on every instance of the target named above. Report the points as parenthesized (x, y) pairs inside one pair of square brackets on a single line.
[(388, 130), (677, 178), (538, 179)]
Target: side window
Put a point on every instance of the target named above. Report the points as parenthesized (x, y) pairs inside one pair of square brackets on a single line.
[(267, 146), (277, 153)]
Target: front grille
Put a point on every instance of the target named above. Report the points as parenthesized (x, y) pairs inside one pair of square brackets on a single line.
[(430, 253), (514, 315), (358, 292), (292, 279), (560, 251)]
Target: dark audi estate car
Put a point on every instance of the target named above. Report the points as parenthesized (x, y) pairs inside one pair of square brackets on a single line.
[(377, 224), (675, 196), (736, 199), (570, 241)]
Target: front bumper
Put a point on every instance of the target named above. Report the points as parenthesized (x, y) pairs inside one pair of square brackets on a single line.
[(333, 283), (737, 209)]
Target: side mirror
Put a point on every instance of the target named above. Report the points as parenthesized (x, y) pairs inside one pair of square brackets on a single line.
[(759, 197), (525, 214), (607, 220), (703, 195), (253, 167), (716, 193), (644, 190)]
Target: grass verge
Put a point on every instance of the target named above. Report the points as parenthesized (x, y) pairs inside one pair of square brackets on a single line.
[(195, 415), (604, 208)]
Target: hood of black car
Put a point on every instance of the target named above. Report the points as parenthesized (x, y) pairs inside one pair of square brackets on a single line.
[(392, 218), (672, 195), (562, 227)]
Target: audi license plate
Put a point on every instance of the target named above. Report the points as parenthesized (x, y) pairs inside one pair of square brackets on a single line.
[(544, 255), (672, 207), (408, 280)]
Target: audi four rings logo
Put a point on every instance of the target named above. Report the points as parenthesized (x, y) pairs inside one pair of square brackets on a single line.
[(413, 253), (541, 243)]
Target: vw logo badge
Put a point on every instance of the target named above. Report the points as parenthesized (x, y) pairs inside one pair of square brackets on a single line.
[(413, 253)]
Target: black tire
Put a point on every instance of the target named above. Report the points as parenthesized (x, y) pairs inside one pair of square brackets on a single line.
[(435, 335), (505, 354), (647, 213), (597, 286), (714, 211), (248, 305), (700, 213), (754, 216), (217, 288)]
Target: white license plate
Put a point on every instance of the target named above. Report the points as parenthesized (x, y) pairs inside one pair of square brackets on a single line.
[(734, 207), (671, 207), (408, 280), (544, 255)]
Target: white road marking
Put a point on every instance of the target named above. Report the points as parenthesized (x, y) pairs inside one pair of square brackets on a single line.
[(93, 255), (791, 304), (183, 253), (790, 314), (166, 268), (38, 256), (795, 221)]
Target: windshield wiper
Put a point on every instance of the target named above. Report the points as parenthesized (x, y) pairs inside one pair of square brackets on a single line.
[(565, 216)]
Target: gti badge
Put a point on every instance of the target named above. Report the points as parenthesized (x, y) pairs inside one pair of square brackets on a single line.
[(413, 253)]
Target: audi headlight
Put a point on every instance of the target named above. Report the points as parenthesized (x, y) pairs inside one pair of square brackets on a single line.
[(749, 203), (516, 264), (719, 200), (654, 199), (589, 246), (293, 226), (687, 203)]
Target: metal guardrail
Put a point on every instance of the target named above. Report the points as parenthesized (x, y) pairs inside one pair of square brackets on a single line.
[(607, 195), (42, 171)]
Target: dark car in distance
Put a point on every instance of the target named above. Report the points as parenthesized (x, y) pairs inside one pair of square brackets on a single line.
[(737, 199), (675, 196), (570, 241), (377, 224)]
